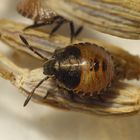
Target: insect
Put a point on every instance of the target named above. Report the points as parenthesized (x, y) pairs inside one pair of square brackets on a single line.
[(84, 68), (42, 15)]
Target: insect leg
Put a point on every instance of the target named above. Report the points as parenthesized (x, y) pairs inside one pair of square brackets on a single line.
[(79, 30), (32, 92), (36, 25), (31, 48), (72, 31), (56, 27), (45, 97)]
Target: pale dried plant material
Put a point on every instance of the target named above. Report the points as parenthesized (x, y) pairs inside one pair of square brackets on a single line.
[(116, 17), (121, 98)]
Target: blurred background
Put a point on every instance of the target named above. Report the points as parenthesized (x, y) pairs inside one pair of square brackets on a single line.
[(38, 122)]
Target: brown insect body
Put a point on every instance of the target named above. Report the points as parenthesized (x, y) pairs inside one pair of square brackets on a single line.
[(83, 68), (35, 10)]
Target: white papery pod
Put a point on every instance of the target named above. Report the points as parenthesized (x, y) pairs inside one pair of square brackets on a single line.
[(116, 17), (121, 98)]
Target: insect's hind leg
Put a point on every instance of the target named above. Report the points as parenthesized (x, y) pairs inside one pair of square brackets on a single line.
[(47, 94)]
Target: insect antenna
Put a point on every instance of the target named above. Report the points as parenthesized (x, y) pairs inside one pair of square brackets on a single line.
[(31, 48), (33, 91)]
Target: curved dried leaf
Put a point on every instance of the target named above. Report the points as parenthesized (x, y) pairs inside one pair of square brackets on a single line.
[(121, 98), (115, 17)]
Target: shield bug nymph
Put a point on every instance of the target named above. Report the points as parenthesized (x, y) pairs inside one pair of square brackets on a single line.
[(84, 68), (43, 15)]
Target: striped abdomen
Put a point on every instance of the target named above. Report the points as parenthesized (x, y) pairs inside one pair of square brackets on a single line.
[(97, 69)]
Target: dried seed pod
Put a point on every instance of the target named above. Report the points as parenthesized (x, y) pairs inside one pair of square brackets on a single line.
[(120, 98), (115, 17)]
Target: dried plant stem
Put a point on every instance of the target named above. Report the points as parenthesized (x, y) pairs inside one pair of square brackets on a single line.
[(121, 98), (124, 98)]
